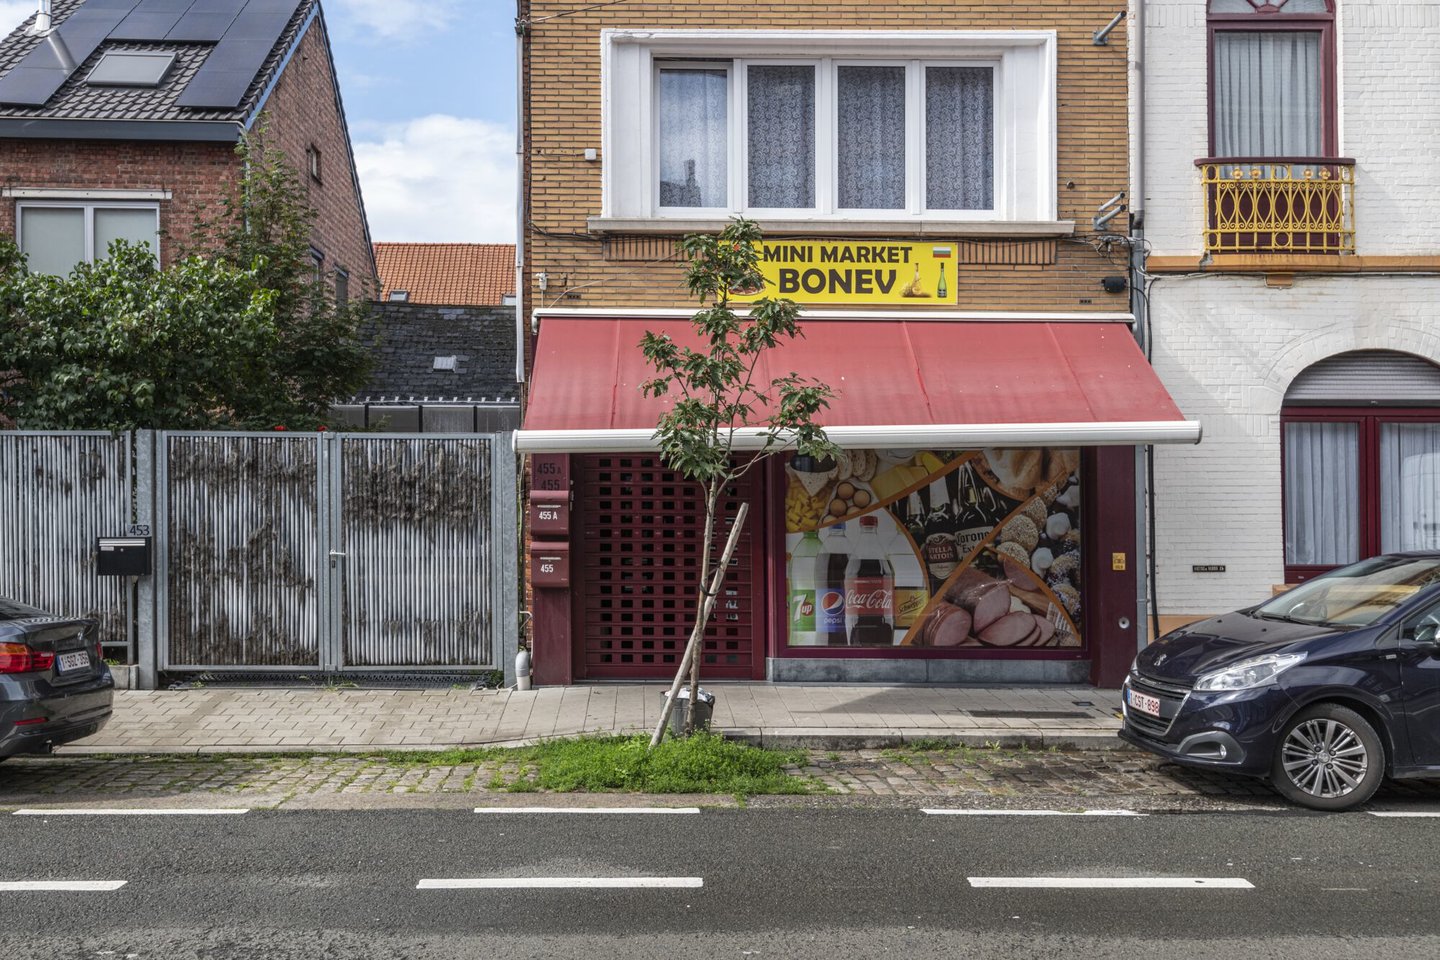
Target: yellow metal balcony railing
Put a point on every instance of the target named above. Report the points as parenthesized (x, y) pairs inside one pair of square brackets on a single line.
[(1279, 204)]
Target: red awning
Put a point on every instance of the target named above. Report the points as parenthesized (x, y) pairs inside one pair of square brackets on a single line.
[(897, 383)]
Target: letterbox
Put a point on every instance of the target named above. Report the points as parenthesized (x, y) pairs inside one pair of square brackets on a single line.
[(550, 518), (549, 475), (549, 565), (122, 556)]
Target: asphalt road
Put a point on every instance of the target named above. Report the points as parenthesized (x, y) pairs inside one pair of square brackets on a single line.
[(773, 883)]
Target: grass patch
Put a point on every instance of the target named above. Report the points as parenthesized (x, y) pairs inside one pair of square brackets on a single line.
[(703, 763)]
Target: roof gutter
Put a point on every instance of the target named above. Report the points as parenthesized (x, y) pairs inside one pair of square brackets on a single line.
[(49, 128), (929, 435)]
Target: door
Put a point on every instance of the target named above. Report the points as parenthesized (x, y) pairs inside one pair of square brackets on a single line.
[(1419, 655)]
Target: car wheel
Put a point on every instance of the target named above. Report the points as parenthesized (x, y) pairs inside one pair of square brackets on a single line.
[(1329, 758)]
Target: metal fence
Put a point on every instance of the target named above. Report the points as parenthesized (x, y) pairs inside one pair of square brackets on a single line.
[(274, 553), (58, 493)]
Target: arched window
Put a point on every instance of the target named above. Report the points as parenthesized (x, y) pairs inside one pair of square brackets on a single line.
[(1361, 452), (1272, 78)]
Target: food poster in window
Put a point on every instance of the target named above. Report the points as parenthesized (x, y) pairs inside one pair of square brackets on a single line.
[(934, 549)]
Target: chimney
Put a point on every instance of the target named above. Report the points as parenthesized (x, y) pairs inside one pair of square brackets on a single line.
[(42, 19)]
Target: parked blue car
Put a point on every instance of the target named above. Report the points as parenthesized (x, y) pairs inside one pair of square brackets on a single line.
[(1324, 690), (54, 684)]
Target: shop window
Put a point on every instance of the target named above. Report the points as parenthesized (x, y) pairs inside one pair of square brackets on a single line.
[(887, 125), (1361, 452), (56, 235)]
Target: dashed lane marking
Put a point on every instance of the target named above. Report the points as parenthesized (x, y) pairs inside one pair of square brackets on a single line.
[(561, 883), (587, 809), (1115, 883), (1403, 813), (944, 812), (129, 812), (77, 886)]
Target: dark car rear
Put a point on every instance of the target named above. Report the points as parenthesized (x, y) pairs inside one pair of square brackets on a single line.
[(54, 684)]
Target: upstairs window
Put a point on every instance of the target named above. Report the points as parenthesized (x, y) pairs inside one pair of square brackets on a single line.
[(1272, 71), (55, 236), (841, 126)]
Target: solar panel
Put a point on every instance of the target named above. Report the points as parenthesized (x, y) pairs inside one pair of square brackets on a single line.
[(29, 87), (206, 21), (146, 24), (232, 66)]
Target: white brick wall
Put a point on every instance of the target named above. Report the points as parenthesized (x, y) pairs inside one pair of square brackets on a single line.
[(1389, 121), (1228, 348)]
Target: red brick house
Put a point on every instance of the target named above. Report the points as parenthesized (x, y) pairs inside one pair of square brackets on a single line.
[(119, 119)]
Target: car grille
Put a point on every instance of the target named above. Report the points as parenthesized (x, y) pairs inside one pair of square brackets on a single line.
[(1171, 696)]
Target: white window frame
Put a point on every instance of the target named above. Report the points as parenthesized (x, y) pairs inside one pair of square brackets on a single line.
[(731, 128), (1025, 150), (89, 206)]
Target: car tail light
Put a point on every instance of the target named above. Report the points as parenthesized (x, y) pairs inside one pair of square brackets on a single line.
[(18, 658)]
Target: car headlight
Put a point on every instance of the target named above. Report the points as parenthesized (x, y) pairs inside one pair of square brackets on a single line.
[(1255, 672)]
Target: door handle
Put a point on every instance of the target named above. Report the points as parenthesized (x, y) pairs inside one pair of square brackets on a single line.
[(336, 555)]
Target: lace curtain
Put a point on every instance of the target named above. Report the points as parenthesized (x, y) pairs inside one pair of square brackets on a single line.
[(1322, 495), (1267, 93), (693, 135), (959, 138), (781, 104), (871, 119), (1409, 486)]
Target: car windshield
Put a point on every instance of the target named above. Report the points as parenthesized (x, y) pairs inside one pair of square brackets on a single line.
[(1354, 596), (10, 610)]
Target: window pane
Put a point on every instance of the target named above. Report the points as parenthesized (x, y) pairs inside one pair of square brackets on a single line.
[(1409, 486), (136, 225), (693, 138), (1267, 94), (53, 238), (782, 136), (1322, 496), (959, 138), (1286, 6), (871, 119)]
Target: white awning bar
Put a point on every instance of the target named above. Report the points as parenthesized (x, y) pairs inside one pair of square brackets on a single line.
[(929, 436)]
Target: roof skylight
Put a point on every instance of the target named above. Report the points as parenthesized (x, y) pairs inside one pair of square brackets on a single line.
[(120, 68)]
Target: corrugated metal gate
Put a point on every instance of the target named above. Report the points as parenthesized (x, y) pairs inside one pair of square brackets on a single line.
[(335, 552), (61, 491), (639, 557)]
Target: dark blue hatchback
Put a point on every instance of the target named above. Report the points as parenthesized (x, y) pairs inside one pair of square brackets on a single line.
[(1325, 690)]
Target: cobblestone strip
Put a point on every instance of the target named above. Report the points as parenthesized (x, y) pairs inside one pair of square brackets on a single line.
[(952, 776)]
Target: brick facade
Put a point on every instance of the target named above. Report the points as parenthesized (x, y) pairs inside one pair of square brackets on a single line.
[(563, 118), (303, 110)]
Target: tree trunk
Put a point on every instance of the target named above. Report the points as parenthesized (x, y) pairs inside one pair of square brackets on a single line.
[(697, 634)]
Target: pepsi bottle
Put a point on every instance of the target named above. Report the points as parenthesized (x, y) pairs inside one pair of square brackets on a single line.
[(830, 566)]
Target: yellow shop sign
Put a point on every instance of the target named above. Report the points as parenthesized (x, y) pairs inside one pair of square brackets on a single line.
[(855, 272)]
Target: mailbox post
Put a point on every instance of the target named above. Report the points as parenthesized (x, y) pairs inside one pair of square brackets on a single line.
[(548, 514)]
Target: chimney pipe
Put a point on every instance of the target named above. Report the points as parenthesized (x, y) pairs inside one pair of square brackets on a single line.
[(42, 18)]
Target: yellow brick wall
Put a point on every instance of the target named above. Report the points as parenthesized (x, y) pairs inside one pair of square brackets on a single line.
[(563, 118)]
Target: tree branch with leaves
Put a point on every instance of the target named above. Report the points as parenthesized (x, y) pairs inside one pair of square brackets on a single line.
[(722, 408)]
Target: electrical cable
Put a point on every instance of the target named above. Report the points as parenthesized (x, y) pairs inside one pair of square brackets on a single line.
[(571, 13)]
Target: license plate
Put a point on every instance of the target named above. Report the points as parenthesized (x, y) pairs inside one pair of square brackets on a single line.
[(77, 660), (1144, 704)]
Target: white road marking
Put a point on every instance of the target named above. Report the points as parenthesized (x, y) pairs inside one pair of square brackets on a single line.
[(130, 812), (561, 883), (944, 812), (1403, 813), (587, 809), (79, 886), (1116, 883)]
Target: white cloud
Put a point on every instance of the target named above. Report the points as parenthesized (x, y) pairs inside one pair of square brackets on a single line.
[(440, 179), (394, 19), (13, 13)]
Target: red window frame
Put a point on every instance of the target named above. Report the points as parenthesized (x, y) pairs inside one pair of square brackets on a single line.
[(1271, 18), (1369, 421)]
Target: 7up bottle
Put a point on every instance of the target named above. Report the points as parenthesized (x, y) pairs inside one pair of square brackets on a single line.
[(802, 590)]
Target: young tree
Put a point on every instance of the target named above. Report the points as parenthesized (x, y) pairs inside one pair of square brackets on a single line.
[(719, 401)]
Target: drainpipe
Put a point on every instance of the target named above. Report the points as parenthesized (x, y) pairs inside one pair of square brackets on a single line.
[(521, 26), (1140, 307)]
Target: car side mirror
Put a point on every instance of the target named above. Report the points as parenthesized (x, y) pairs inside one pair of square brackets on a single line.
[(1425, 635)]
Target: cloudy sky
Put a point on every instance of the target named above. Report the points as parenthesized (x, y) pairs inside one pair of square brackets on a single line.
[(429, 90)]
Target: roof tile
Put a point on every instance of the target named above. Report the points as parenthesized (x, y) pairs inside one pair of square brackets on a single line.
[(449, 274)]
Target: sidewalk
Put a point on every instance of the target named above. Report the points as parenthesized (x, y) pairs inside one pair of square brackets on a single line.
[(249, 720)]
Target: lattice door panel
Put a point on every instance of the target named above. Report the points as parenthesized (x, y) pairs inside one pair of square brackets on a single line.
[(641, 527)]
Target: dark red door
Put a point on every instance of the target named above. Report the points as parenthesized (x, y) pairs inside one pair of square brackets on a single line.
[(640, 528)]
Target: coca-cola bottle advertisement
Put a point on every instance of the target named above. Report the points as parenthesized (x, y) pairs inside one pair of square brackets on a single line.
[(935, 549)]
